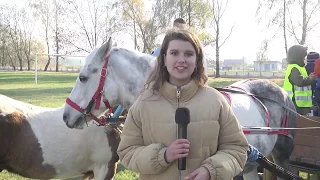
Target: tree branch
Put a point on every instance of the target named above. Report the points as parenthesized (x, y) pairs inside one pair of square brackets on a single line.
[(224, 41)]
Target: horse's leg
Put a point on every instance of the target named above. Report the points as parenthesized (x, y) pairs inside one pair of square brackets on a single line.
[(105, 171), (86, 178), (282, 151), (100, 172), (238, 178), (252, 175)]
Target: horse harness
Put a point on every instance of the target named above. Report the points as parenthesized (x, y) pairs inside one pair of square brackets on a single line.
[(259, 130), (269, 130)]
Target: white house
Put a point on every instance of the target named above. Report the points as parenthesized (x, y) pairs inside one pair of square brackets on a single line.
[(233, 64), (267, 65)]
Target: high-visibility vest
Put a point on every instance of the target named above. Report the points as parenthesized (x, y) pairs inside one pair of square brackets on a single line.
[(302, 95)]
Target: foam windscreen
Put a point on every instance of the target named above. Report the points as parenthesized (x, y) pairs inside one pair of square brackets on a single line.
[(182, 116)]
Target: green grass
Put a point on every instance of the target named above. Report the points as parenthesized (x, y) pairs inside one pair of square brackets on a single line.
[(313, 176), (52, 90)]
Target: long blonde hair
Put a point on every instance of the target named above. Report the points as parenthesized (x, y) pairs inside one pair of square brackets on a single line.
[(160, 73)]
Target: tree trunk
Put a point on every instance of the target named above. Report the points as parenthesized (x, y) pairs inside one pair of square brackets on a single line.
[(48, 51), (304, 22), (3, 63), (57, 64), (47, 64), (27, 54), (217, 51), (12, 64), (135, 35), (57, 50), (28, 62), (189, 13), (284, 27), (20, 61), (49, 59), (181, 9)]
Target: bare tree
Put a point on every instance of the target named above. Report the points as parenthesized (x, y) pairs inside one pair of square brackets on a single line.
[(133, 11), (218, 9), (94, 20), (27, 30), (307, 16), (262, 55), (276, 10), (4, 27), (197, 14), (146, 30), (43, 10), (147, 26), (16, 34), (58, 29), (282, 9)]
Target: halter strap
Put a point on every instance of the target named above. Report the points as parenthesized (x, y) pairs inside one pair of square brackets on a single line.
[(96, 98)]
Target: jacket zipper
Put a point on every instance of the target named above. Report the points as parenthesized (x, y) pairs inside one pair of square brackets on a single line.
[(178, 96), (178, 101), (178, 104)]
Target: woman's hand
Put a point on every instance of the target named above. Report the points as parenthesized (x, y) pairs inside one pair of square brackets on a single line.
[(199, 174), (178, 149)]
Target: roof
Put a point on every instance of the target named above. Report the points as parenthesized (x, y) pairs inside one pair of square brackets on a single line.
[(268, 62), (231, 62)]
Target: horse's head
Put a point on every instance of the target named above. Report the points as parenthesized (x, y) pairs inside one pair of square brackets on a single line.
[(110, 76)]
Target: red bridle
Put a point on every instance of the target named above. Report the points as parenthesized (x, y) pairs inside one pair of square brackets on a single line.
[(95, 99)]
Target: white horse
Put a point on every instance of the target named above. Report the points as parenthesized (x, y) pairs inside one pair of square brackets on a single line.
[(126, 73), (35, 143)]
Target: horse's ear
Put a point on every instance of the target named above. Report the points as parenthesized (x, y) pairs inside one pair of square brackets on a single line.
[(105, 49)]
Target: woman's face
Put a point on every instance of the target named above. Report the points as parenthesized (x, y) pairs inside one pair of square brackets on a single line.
[(180, 61)]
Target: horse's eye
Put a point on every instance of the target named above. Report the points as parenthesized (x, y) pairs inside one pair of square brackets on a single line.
[(83, 78)]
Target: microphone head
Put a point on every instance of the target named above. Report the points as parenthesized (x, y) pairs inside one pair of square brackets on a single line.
[(182, 115)]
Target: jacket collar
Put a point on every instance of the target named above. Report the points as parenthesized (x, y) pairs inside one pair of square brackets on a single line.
[(186, 92)]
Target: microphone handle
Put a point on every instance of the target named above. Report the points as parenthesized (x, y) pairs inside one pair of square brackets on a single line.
[(182, 134)]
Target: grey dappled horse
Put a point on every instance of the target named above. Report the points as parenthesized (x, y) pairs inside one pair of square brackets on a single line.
[(126, 73)]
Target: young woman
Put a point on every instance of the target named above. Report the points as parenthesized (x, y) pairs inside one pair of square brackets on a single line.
[(215, 148)]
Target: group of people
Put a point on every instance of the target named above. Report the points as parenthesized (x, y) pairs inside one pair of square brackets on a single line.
[(302, 80)]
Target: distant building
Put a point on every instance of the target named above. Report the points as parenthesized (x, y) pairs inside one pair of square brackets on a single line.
[(267, 65), (212, 64), (72, 61), (233, 64)]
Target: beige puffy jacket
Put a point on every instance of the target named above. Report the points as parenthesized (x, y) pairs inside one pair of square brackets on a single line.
[(217, 141)]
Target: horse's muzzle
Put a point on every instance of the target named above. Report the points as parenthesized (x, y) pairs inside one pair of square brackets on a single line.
[(66, 120)]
